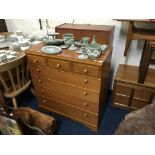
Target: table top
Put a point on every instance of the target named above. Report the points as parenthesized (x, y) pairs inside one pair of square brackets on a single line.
[(136, 20)]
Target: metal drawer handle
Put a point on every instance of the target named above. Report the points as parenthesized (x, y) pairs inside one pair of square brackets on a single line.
[(85, 71), (42, 91), (35, 61), (85, 93), (58, 65), (38, 70), (40, 81), (45, 101), (85, 81), (85, 104)]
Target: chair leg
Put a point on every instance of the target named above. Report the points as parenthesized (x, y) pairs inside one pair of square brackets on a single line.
[(129, 37), (14, 102)]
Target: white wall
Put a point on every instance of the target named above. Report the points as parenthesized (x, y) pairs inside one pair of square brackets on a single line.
[(31, 26)]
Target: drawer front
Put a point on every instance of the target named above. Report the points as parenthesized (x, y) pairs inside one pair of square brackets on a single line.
[(69, 78), (136, 103), (142, 94), (121, 88), (37, 60), (67, 89), (86, 70), (67, 99), (122, 100), (69, 111), (59, 64)]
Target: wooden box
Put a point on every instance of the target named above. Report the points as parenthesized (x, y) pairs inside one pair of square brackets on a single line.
[(127, 93), (104, 33)]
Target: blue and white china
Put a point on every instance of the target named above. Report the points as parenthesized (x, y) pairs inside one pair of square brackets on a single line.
[(51, 49)]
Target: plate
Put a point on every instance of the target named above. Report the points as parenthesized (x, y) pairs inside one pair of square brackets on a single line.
[(51, 49)]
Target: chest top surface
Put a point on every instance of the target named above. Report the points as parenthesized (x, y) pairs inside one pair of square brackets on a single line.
[(69, 55)]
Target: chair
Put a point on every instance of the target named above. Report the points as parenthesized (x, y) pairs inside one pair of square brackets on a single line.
[(14, 78), (146, 60), (138, 34)]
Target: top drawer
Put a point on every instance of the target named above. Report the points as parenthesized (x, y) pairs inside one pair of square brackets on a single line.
[(86, 70), (38, 60), (59, 64)]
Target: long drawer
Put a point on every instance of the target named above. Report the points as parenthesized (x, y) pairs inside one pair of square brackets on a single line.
[(67, 99), (69, 111), (67, 89), (60, 76)]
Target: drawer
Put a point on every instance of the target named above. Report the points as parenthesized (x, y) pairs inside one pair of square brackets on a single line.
[(68, 111), (67, 99), (67, 89), (59, 64), (121, 88), (136, 103), (65, 77), (142, 94), (37, 60), (122, 100), (86, 70)]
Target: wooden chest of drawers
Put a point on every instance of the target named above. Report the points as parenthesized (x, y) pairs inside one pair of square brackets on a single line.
[(127, 93), (104, 33), (69, 86)]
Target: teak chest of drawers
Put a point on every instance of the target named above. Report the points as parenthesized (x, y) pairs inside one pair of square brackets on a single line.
[(69, 86)]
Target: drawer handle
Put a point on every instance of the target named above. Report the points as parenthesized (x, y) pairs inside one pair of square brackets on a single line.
[(85, 115), (38, 70), (85, 93), (85, 71), (42, 91), (58, 65), (85, 104), (85, 81), (35, 61), (40, 81), (45, 101)]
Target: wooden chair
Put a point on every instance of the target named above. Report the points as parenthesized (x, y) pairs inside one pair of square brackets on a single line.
[(14, 78), (138, 34), (146, 60)]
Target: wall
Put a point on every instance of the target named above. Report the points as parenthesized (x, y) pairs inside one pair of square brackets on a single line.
[(32, 27)]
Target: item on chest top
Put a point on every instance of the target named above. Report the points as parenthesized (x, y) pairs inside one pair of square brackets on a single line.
[(67, 37), (85, 41), (41, 37), (52, 34), (72, 47), (24, 44), (55, 42), (64, 46), (83, 55), (51, 49)]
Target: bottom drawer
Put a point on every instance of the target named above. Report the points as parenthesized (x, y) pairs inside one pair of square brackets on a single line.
[(76, 114), (136, 103)]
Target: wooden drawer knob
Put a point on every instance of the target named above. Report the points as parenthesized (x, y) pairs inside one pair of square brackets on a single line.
[(42, 91), (85, 115), (38, 70), (85, 81), (35, 61), (40, 81), (85, 71), (58, 65), (85, 93), (85, 104), (45, 101)]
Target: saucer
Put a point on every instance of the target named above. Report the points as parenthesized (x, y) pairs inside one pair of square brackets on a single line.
[(51, 49), (72, 48)]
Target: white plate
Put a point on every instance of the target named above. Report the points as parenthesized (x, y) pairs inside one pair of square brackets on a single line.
[(51, 49)]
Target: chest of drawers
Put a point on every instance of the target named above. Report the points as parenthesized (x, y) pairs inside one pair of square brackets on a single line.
[(69, 86)]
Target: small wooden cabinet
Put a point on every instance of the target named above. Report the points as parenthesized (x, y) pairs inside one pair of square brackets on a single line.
[(69, 86), (104, 33), (127, 93)]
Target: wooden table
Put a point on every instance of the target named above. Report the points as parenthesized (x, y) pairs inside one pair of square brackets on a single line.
[(2, 101)]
